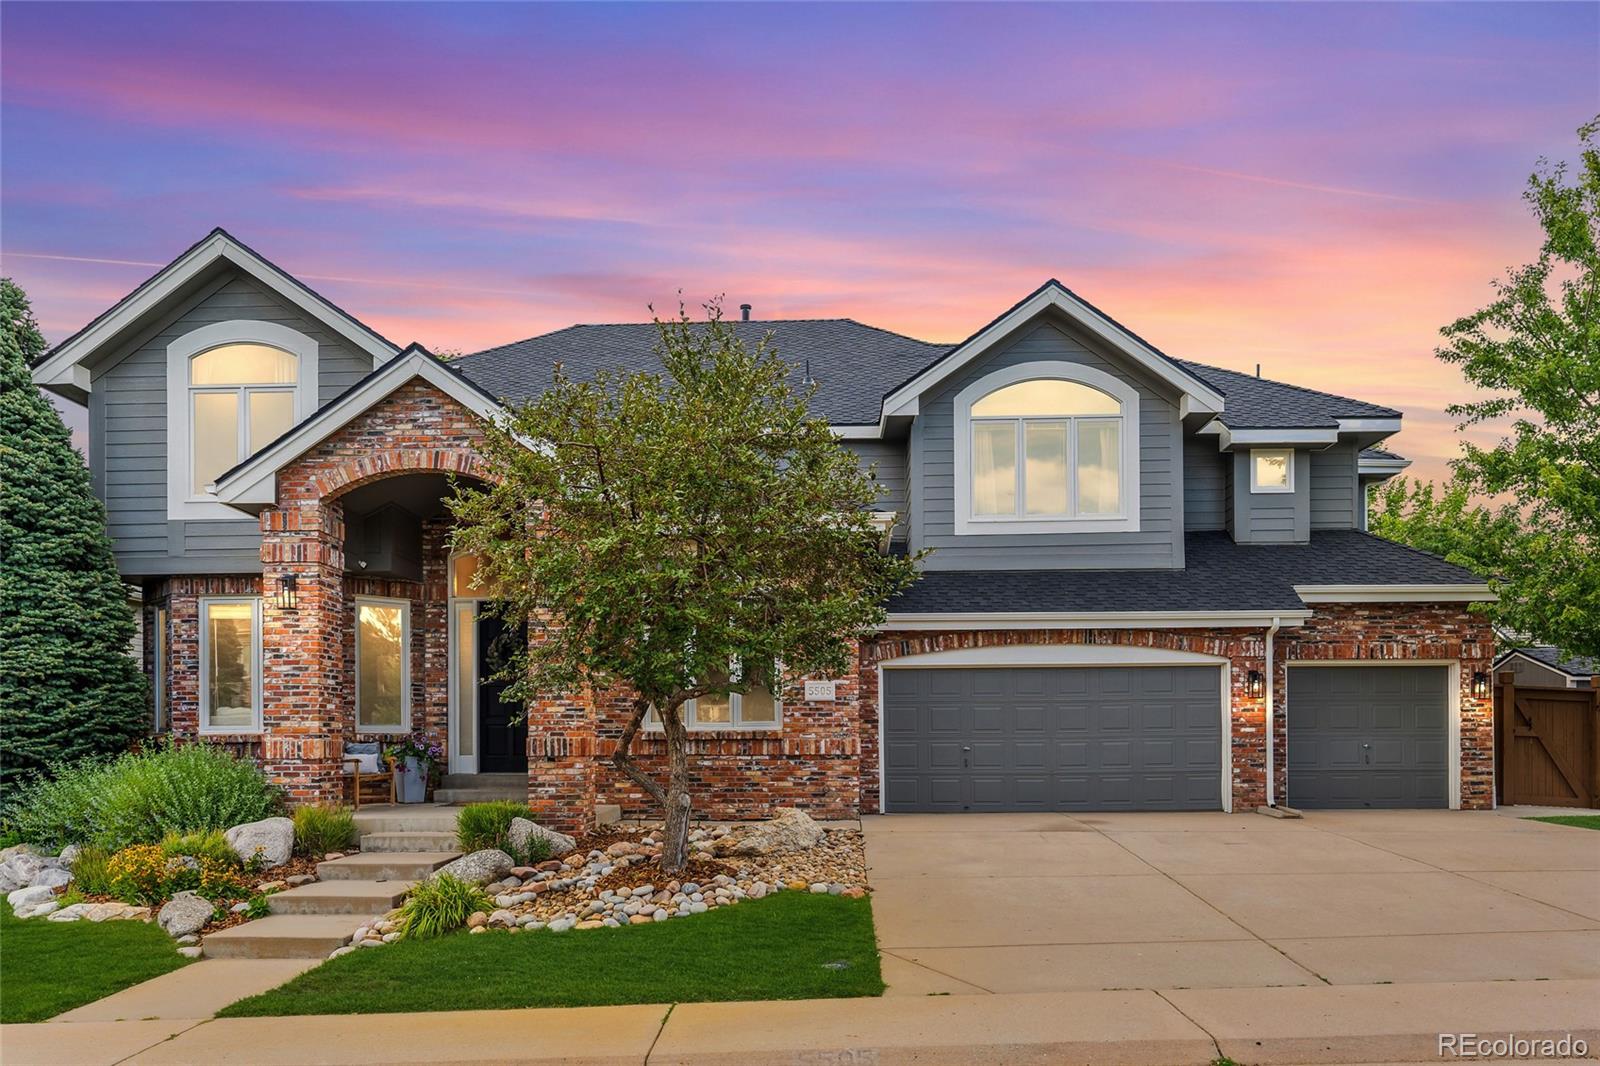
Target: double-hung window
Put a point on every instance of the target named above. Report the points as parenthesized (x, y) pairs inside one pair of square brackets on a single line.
[(230, 664), (241, 396), (758, 707)]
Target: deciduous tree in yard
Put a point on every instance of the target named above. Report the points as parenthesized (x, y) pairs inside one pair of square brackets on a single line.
[(68, 687), (684, 533), (1536, 351)]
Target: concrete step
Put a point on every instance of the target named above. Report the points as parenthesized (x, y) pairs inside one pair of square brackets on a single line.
[(409, 818), (384, 866), (518, 781), (285, 936), (340, 897), (481, 794), (403, 842)]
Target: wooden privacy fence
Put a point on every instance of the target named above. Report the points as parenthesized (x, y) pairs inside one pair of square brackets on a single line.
[(1545, 744)]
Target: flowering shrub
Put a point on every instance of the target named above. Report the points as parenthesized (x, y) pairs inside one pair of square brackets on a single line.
[(140, 875)]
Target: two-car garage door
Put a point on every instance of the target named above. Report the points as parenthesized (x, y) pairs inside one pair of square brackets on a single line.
[(1053, 738)]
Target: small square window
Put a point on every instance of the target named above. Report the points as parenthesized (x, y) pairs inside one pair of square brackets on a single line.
[(1272, 470)]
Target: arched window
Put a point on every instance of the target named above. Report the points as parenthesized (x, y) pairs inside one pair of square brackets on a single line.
[(241, 396), (232, 388), (1047, 447)]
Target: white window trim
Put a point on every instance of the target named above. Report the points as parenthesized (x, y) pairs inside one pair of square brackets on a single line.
[(205, 669), (182, 502), (1288, 487), (405, 664), (1126, 521)]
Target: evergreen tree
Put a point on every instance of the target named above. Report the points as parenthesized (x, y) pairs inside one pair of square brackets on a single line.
[(68, 686)]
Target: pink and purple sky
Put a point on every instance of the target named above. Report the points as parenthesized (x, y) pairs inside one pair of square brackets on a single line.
[(1315, 188)]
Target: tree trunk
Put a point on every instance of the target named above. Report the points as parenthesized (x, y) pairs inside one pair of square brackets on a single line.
[(675, 839)]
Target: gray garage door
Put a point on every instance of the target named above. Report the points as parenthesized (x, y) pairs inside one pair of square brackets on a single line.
[(1368, 736), (1052, 739)]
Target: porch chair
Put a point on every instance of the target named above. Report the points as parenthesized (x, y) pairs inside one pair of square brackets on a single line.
[(368, 768)]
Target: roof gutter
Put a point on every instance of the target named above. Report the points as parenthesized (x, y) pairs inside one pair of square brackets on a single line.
[(954, 620)]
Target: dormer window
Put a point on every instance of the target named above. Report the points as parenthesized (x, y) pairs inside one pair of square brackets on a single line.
[(1271, 469), (232, 388), (1044, 448)]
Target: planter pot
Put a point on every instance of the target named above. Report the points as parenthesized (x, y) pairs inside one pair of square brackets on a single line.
[(411, 780)]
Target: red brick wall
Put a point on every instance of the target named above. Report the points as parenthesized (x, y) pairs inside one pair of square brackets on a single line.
[(181, 596)]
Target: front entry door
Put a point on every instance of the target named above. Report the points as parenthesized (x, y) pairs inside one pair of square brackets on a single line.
[(502, 725)]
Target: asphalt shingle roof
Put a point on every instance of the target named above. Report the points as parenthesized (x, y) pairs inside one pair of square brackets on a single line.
[(856, 366), (1550, 656), (1218, 575)]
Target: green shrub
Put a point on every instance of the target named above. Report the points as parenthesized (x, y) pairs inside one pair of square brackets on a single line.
[(258, 908), (437, 906), (209, 844), (89, 872), (488, 825), (321, 828), (537, 851), (140, 797)]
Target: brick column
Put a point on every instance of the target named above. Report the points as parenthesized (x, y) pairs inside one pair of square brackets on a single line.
[(562, 746), (306, 688)]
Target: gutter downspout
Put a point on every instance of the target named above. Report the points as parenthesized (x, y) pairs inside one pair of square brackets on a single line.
[(1272, 776)]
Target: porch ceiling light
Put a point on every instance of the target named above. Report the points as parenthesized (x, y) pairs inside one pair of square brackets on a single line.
[(1256, 684), (287, 600)]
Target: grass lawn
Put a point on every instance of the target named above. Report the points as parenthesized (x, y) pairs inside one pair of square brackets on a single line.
[(48, 967), (791, 945), (1582, 821)]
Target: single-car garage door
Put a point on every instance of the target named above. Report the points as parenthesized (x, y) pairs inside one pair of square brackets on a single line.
[(1369, 736), (1052, 738)]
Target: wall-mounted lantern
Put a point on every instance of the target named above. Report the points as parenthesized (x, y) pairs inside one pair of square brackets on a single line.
[(1256, 685), (1480, 685), (287, 600)]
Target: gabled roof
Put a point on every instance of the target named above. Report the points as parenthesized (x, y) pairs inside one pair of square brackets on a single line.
[(250, 486), (1198, 396), (1258, 403), (853, 364), (63, 369), (1578, 666)]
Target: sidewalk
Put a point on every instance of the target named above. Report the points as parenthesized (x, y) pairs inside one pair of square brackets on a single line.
[(1317, 1024)]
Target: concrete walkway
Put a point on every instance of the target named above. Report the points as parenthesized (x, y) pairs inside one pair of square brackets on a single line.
[(1322, 1024), (975, 904)]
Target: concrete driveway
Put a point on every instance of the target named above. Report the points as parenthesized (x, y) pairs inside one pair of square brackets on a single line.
[(969, 904)]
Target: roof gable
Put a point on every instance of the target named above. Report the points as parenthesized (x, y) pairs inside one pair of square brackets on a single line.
[(1198, 397), (251, 486), (64, 369)]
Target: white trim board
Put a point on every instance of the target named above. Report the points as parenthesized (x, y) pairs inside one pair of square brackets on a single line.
[(252, 485), (1090, 620), (1200, 397), (1452, 711), (62, 372), (1463, 593)]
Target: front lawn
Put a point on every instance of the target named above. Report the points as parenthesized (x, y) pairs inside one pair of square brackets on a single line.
[(1582, 821), (791, 945), (49, 967)]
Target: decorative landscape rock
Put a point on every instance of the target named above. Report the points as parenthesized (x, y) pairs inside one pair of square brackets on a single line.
[(272, 837), (479, 867), (27, 869), (23, 899), (790, 831), (522, 830), (184, 913)]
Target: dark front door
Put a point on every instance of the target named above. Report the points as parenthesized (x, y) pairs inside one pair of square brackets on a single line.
[(502, 725), (1053, 739), (1369, 736)]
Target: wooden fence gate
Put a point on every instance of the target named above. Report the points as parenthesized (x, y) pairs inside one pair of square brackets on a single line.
[(1545, 744)]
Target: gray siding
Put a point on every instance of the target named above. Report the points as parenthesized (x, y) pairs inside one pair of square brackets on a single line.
[(1271, 517), (1336, 495), (1534, 675), (1157, 545), (891, 463), (1205, 484), (128, 433)]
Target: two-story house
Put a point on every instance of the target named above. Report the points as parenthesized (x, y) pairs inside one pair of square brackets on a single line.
[(1149, 585)]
